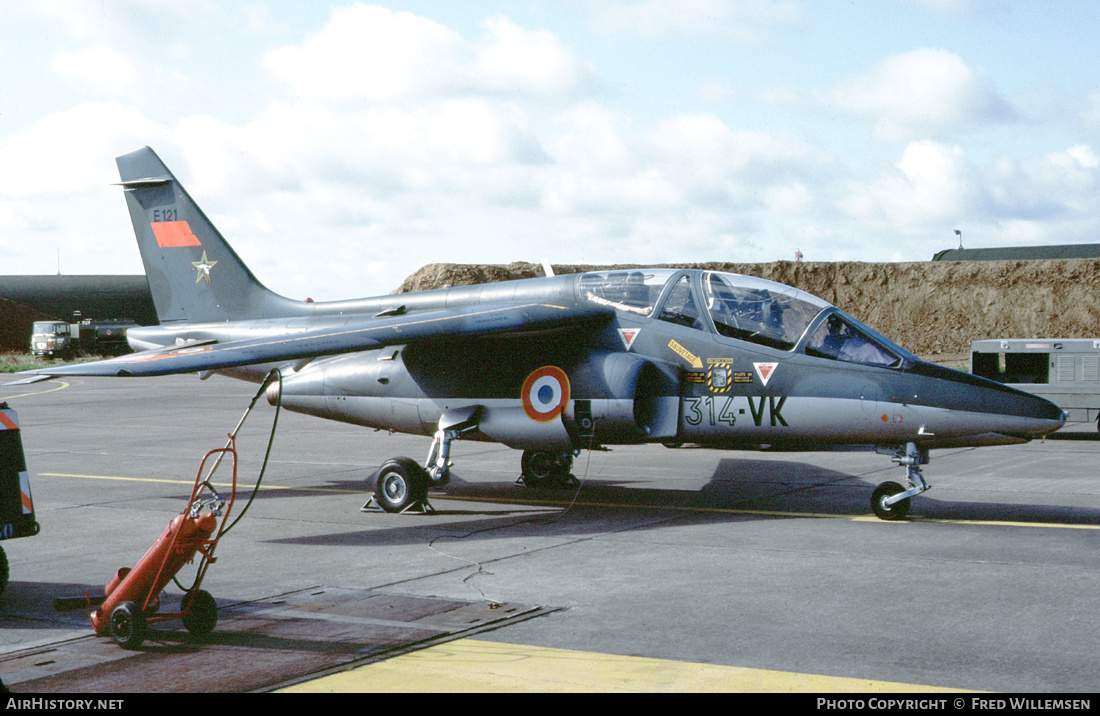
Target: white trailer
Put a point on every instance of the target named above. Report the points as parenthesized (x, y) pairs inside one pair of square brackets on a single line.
[(1065, 371)]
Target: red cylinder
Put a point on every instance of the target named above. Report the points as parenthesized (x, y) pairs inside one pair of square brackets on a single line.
[(175, 548)]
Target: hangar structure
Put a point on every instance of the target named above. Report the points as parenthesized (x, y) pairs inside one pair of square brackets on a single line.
[(1020, 253), (26, 299)]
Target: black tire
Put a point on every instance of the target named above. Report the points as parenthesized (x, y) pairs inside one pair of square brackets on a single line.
[(128, 625), (545, 469), (3, 570), (896, 511), (537, 467), (200, 612), (401, 483)]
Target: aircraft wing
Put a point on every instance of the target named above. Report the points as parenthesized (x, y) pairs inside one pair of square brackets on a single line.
[(468, 321)]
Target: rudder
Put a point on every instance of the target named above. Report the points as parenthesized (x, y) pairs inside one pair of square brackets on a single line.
[(194, 275)]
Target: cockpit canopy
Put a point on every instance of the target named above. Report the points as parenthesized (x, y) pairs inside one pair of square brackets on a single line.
[(752, 309), (743, 308)]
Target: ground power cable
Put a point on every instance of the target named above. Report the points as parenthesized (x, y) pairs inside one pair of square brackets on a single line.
[(534, 520), (274, 375)]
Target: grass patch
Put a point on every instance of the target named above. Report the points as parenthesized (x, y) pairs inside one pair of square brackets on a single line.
[(15, 362)]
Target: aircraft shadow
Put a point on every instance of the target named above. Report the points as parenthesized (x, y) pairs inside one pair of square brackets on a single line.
[(738, 490)]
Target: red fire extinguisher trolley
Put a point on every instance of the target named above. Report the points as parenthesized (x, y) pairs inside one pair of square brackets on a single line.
[(132, 598)]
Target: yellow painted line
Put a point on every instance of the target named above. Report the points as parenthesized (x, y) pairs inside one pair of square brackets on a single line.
[(62, 386), (1002, 523), (240, 485), (765, 513), (613, 505), (469, 665)]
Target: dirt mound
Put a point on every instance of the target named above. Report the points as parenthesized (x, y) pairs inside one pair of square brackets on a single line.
[(932, 308)]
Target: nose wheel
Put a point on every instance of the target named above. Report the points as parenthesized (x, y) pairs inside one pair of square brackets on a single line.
[(890, 501), (895, 510)]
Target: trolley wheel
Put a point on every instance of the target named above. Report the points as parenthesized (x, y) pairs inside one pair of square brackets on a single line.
[(128, 625), (200, 612), (896, 511), (401, 484)]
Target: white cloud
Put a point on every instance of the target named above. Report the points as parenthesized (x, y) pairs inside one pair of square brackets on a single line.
[(370, 54), (1061, 186), (931, 184), (736, 20), (526, 63), (963, 8), (71, 151), (786, 200), (98, 67), (339, 154), (934, 188), (922, 93), (373, 54)]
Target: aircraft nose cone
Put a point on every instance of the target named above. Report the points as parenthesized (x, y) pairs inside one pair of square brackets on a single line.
[(1045, 417), (1008, 410)]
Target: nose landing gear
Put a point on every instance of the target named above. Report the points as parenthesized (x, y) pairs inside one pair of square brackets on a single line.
[(890, 501)]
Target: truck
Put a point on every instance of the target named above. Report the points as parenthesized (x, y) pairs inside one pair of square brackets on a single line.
[(1065, 371), (64, 339)]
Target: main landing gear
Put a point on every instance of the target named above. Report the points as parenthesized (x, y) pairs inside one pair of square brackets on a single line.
[(890, 501), (546, 469), (401, 485)]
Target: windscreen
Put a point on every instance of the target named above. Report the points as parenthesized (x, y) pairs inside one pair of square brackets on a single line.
[(841, 338)]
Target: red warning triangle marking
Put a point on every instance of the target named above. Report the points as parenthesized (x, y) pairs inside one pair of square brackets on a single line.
[(628, 335), (765, 371)]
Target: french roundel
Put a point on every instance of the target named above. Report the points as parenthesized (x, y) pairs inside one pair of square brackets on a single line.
[(545, 394)]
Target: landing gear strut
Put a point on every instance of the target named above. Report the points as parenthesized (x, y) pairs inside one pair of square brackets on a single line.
[(401, 485), (890, 501)]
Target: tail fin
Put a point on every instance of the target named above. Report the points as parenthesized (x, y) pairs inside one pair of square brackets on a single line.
[(193, 274)]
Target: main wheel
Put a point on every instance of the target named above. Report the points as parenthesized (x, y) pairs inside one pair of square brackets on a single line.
[(896, 511), (128, 625), (536, 467), (545, 469), (200, 612), (401, 483)]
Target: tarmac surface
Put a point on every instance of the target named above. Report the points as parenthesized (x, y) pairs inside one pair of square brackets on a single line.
[(667, 569)]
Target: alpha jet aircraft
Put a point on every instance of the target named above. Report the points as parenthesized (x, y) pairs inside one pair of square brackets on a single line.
[(554, 365)]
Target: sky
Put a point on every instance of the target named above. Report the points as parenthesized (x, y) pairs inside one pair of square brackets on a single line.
[(339, 146)]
